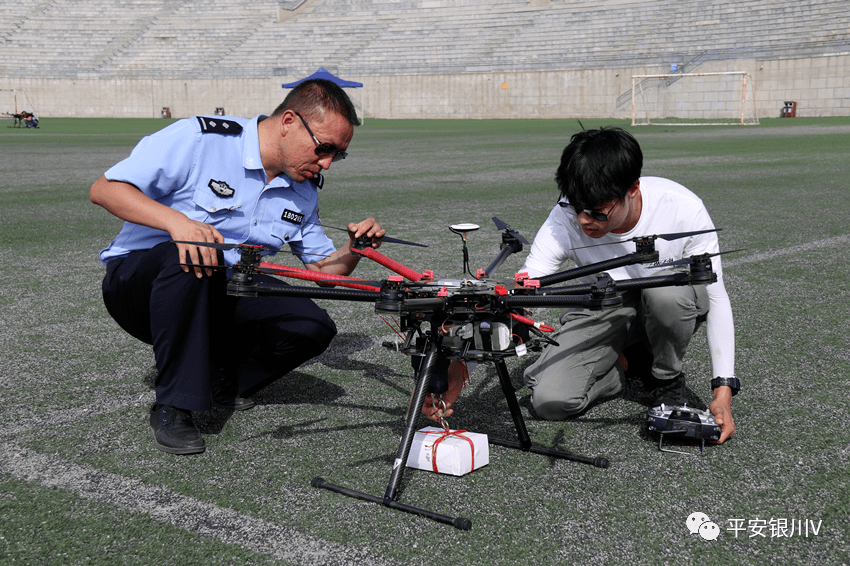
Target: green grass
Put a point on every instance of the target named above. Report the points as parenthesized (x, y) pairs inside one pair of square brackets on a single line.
[(82, 482), (50, 526)]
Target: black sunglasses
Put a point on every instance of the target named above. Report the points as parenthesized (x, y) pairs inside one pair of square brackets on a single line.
[(324, 149), (595, 214)]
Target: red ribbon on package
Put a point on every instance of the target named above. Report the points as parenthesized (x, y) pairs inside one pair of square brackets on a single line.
[(446, 434)]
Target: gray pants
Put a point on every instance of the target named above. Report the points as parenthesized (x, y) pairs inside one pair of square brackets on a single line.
[(565, 379)]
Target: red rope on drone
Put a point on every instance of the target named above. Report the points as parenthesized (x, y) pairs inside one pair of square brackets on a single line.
[(378, 257)]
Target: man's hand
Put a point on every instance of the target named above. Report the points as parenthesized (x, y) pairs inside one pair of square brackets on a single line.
[(193, 231), (128, 203), (343, 261), (721, 408), (369, 228), (457, 377)]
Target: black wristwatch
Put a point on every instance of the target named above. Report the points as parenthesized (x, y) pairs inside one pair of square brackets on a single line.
[(732, 382)]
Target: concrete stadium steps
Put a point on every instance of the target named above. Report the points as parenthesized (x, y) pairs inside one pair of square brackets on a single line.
[(244, 39), (70, 38), (188, 39)]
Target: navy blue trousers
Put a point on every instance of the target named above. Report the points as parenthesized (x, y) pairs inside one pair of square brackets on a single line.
[(197, 330)]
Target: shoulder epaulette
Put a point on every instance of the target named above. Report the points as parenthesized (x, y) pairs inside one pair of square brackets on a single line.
[(218, 126)]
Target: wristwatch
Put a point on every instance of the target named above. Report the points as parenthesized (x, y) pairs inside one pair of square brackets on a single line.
[(732, 382)]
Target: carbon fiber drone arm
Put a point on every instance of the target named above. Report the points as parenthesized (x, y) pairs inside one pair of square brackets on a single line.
[(252, 289), (510, 245), (598, 267), (700, 273)]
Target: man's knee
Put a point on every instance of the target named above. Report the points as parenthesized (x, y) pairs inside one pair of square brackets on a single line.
[(555, 405), (310, 338), (280, 349), (319, 334), (673, 305)]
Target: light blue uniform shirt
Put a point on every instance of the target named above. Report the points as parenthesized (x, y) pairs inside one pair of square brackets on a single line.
[(218, 178)]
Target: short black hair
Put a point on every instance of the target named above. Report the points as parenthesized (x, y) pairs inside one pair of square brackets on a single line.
[(314, 98), (599, 166)]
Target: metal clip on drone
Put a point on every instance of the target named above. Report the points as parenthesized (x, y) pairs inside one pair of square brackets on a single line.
[(473, 319)]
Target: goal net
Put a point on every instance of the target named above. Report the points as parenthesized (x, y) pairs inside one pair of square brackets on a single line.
[(694, 99), (14, 101)]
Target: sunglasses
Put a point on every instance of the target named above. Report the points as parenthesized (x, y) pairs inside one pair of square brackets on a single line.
[(595, 214), (324, 149)]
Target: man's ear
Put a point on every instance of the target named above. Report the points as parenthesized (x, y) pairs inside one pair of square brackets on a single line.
[(287, 122), (634, 189)]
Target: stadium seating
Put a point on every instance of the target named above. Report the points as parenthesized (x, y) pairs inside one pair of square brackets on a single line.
[(247, 38)]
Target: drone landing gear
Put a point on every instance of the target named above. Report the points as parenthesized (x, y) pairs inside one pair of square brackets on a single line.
[(432, 351), (524, 443)]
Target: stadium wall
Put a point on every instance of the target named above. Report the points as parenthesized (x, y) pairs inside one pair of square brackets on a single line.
[(820, 86)]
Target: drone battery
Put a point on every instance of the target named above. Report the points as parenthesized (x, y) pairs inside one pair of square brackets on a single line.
[(455, 452), (492, 336)]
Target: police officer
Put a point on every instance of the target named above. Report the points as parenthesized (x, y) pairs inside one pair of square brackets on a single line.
[(233, 180)]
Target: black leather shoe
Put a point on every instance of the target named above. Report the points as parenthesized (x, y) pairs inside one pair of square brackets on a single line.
[(174, 432), (670, 392), (225, 394)]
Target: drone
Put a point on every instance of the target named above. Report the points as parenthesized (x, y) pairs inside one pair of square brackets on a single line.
[(472, 318), (18, 119)]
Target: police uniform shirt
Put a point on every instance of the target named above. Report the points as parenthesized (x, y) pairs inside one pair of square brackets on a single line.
[(209, 168)]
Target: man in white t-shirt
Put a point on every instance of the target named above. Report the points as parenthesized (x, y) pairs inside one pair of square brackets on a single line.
[(604, 200)]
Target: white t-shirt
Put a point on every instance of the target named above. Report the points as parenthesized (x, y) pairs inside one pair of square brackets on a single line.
[(667, 207)]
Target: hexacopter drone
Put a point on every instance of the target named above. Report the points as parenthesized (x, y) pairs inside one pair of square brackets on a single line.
[(471, 319)]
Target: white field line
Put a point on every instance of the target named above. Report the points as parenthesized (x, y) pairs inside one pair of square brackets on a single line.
[(766, 256), (75, 414), (187, 513)]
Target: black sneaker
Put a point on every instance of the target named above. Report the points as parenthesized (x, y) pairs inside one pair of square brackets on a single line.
[(174, 432), (670, 392), (225, 394)]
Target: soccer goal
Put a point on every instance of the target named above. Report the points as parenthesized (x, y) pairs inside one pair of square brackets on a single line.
[(14, 101), (694, 99)]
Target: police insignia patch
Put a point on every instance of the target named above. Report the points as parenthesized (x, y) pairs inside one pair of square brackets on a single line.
[(218, 126), (220, 188)]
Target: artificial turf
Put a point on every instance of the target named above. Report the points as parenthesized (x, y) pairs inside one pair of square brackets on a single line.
[(76, 389)]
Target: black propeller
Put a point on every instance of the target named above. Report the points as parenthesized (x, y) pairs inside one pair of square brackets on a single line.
[(668, 237), (226, 246), (501, 225), (387, 239), (690, 260)]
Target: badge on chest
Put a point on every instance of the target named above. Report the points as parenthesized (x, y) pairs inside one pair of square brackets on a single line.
[(220, 188), (292, 216)]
